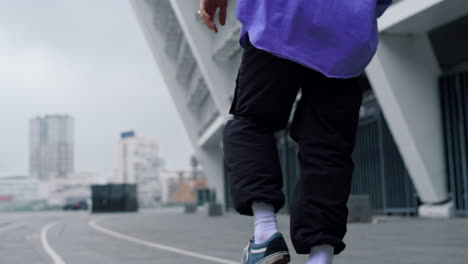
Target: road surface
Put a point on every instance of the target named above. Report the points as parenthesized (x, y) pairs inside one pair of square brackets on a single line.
[(168, 236)]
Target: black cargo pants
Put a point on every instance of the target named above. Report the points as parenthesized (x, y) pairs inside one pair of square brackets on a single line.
[(324, 126)]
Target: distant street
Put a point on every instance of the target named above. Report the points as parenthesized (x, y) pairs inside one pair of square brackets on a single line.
[(168, 236)]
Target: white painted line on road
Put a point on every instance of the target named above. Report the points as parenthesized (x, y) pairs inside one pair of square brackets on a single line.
[(48, 249), (135, 240)]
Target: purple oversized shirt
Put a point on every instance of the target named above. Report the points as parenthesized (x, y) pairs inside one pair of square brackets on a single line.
[(335, 37)]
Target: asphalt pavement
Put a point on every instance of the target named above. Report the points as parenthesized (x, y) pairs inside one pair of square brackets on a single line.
[(169, 236)]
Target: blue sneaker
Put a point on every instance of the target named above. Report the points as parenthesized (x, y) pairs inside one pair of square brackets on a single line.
[(272, 251)]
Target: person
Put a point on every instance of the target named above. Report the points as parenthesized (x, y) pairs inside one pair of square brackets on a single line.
[(320, 48)]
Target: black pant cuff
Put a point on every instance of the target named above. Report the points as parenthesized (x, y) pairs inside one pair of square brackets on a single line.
[(337, 244), (245, 208)]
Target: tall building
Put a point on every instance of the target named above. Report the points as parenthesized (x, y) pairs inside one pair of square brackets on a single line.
[(425, 120), (51, 147), (138, 163)]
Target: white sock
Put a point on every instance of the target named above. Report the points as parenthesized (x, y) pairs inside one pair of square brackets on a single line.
[(265, 221), (321, 254)]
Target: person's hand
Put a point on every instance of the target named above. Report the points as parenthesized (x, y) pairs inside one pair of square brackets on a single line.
[(208, 10)]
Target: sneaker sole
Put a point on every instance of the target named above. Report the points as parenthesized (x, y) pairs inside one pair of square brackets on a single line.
[(276, 258)]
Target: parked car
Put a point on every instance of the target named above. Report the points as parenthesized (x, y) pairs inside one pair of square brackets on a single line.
[(76, 204)]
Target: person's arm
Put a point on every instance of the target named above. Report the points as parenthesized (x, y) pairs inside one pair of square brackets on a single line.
[(208, 10), (382, 5)]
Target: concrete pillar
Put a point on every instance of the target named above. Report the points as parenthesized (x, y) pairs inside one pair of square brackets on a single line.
[(219, 75), (404, 78)]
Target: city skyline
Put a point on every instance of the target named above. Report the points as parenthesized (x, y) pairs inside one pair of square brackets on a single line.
[(98, 70), (60, 128)]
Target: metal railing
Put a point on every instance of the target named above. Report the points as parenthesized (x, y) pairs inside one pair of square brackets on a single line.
[(379, 168), (454, 101)]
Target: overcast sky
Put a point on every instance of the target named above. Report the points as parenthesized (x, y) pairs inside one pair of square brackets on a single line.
[(88, 59)]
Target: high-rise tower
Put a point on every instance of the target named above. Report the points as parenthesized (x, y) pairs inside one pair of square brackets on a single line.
[(51, 148)]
